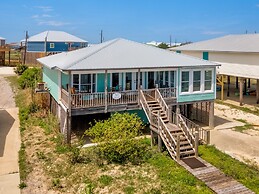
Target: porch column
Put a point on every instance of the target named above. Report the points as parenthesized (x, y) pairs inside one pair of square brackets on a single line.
[(222, 87), (177, 112), (228, 86), (211, 115), (245, 88), (249, 83), (68, 128), (257, 91), (139, 87), (236, 82), (106, 91), (241, 97)]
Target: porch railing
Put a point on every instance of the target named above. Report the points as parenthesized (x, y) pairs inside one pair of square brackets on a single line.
[(98, 99), (167, 92)]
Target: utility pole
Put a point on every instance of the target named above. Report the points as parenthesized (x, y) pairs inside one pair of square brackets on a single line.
[(25, 49), (170, 40), (101, 36)]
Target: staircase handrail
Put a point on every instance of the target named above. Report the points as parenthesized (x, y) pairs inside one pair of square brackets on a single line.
[(186, 130), (162, 102), (145, 106)]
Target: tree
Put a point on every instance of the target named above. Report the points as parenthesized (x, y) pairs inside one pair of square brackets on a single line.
[(116, 138), (163, 46)]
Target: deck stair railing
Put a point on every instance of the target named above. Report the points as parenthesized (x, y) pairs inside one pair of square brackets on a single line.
[(179, 142)]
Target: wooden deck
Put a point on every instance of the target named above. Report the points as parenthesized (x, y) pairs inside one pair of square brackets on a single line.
[(214, 178)]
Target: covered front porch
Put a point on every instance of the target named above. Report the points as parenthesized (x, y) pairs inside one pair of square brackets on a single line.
[(107, 91)]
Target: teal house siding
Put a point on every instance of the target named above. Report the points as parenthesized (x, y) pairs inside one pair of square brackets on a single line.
[(196, 97), (205, 55), (139, 113), (51, 78), (64, 80), (178, 51)]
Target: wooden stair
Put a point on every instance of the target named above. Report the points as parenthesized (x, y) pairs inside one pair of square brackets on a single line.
[(186, 148)]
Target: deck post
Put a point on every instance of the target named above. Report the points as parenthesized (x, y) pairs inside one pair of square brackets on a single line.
[(222, 87), (249, 83), (106, 91), (177, 113), (139, 87), (257, 91), (170, 114), (156, 92), (241, 97), (207, 137), (178, 148), (68, 134), (152, 138), (245, 85), (196, 143), (236, 82), (211, 115), (228, 86), (159, 131)]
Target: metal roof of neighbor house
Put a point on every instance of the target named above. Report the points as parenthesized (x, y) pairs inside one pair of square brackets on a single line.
[(1, 38), (54, 36), (230, 43), (120, 54), (239, 70)]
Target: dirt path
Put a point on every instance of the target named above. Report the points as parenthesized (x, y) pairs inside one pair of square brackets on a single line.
[(240, 145), (9, 138)]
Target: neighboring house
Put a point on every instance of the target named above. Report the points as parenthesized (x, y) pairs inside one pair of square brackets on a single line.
[(2, 41), (122, 75), (237, 54), (51, 42)]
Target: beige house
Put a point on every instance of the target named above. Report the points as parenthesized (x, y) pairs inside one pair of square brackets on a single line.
[(238, 56)]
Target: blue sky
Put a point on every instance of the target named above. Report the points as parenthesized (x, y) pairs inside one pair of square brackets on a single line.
[(139, 20)]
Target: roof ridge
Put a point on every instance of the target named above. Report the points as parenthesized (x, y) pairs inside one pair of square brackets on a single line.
[(98, 50)]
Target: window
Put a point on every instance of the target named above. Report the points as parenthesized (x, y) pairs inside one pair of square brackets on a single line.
[(76, 82), (137, 79), (84, 82), (208, 80), (172, 79), (166, 79), (128, 81), (52, 45), (196, 81), (185, 81)]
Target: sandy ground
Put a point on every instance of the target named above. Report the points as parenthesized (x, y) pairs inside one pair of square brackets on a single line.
[(243, 146), (9, 137)]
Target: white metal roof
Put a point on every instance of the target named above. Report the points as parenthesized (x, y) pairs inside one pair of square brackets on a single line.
[(120, 54), (1, 38), (239, 70), (230, 43), (54, 36)]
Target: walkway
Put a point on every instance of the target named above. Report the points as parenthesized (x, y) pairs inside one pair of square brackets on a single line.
[(9, 138), (213, 177)]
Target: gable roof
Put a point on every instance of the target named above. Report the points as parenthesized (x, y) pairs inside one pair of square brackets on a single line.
[(120, 54), (230, 43), (55, 36)]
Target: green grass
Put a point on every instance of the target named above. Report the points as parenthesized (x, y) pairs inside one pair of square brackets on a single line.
[(245, 127), (174, 178), (105, 180), (245, 174)]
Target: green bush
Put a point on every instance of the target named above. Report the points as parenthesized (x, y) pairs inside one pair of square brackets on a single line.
[(29, 78), (117, 138), (19, 69)]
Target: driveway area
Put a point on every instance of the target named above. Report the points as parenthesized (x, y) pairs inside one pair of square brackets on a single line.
[(9, 137)]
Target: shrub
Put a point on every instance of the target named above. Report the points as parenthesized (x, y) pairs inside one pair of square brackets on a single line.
[(19, 69), (29, 78), (117, 138)]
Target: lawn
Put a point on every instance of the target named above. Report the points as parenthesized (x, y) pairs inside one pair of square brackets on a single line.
[(245, 174)]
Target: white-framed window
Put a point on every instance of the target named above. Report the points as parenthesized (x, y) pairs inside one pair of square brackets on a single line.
[(185, 81), (196, 81), (84, 82), (207, 80), (172, 79), (52, 45)]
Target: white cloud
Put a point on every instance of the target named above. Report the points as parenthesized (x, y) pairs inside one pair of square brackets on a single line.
[(45, 8), (212, 32), (53, 23)]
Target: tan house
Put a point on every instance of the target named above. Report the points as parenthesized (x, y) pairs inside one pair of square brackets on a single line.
[(238, 56)]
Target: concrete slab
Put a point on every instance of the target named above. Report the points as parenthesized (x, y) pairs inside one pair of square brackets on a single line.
[(6, 71), (8, 184)]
